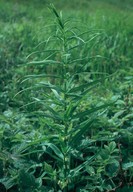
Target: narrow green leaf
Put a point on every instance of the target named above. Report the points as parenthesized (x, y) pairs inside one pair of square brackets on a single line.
[(50, 86), (82, 128), (28, 77), (76, 37), (90, 111), (96, 35), (56, 94), (56, 150), (78, 60), (55, 114), (44, 62), (76, 171), (76, 46), (84, 86)]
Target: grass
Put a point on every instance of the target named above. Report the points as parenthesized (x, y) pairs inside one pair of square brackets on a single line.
[(114, 22)]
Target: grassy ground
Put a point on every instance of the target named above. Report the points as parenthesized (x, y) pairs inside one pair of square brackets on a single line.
[(23, 27)]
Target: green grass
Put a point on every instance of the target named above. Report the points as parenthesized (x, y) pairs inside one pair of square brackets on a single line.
[(22, 25)]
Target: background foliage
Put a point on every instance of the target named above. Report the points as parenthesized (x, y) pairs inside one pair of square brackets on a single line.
[(66, 96)]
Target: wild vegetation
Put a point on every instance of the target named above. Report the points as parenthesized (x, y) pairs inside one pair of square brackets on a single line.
[(66, 96)]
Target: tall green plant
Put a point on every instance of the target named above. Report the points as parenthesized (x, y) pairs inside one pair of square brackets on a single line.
[(61, 112)]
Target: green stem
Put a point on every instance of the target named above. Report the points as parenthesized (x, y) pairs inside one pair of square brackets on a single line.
[(66, 158)]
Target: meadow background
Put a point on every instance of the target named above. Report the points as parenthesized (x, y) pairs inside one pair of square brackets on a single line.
[(66, 96)]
